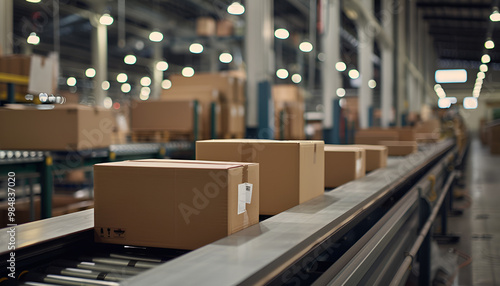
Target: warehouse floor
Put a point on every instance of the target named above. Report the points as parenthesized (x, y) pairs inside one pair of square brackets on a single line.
[(479, 226)]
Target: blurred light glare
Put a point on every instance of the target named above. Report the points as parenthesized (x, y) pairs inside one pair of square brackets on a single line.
[(282, 73), (106, 19), (340, 92), (108, 102), (121, 77), (225, 58), (281, 33), (236, 9), (451, 76), (296, 78), (481, 75), (196, 48), (33, 39), (444, 103), (372, 83), (105, 85), (354, 74), (130, 59), (483, 67), (166, 84), (71, 81), (126, 88), (470, 103), (145, 81), (306, 47), (495, 16), (162, 66), (187, 72), (489, 44), (340, 66), (155, 36), (485, 59), (90, 72)]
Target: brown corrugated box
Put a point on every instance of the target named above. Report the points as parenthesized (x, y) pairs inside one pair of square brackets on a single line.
[(400, 148), (493, 138), (65, 127), (289, 112), (225, 28), (291, 172), (376, 156), (175, 116), (231, 115), (181, 204), (374, 136), (226, 85), (343, 164), (205, 26), (206, 97), (429, 126), (61, 204)]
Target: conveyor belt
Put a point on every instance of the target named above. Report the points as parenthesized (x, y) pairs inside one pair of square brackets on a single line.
[(272, 252)]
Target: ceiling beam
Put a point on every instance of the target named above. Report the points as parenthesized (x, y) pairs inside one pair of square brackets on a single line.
[(449, 18), (453, 4)]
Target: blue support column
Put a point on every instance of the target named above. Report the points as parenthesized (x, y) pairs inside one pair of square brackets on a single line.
[(370, 116), (332, 135), (265, 128), (11, 93)]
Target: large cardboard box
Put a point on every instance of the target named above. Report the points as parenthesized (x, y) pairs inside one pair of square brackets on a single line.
[(175, 116), (375, 156), (429, 126), (58, 127), (374, 136), (205, 26), (343, 164), (289, 112), (225, 84), (400, 148), (232, 115), (291, 172), (224, 28), (287, 93), (61, 204), (181, 204), (206, 97)]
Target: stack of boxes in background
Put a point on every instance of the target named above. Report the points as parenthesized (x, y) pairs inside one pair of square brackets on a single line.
[(288, 102), (399, 141), (207, 27), (15, 65), (493, 136)]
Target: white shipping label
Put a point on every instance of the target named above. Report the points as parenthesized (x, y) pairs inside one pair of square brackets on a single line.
[(359, 163), (242, 198)]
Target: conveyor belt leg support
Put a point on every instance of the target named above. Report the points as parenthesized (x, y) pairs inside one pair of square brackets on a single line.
[(46, 184), (424, 253)]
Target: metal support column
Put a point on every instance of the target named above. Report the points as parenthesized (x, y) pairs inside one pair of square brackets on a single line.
[(46, 185), (365, 62), (331, 79), (6, 26), (401, 63), (157, 74), (99, 54), (259, 41), (413, 84), (424, 253), (387, 66)]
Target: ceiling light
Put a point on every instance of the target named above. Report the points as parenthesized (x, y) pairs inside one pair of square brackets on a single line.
[(145, 81), (281, 33), (340, 66), (481, 75), (225, 58), (71, 81), (444, 103), (451, 76), (489, 44), (162, 66), (340, 92), (145, 92), (437, 86), (166, 84), (372, 83), (130, 59), (126, 88), (108, 102), (106, 19), (33, 39), (485, 59), (483, 67), (155, 36), (296, 78), (188, 71), (236, 9), (33, 1), (121, 77), (90, 72), (470, 103), (282, 73), (306, 47), (105, 85), (354, 74), (196, 48), (495, 16)]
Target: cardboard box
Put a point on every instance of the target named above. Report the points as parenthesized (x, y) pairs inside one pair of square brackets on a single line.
[(62, 128), (427, 137), (205, 26), (224, 28), (374, 136), (175, 116), (206, 97), (291, 172), (429, 126), (61, 204), (289, 112), (182, 204), (226, 85), (400, 148), (231, 119), (343, 164), (287, 93), (375, 156), (493, 137)]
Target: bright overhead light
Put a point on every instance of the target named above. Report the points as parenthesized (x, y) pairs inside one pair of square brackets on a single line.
[(476, 93), (225, 58), (155, 36), (451, 76), (71, 81), (444, 103), (236, 9), (90, 72), (126, 88), (166, 84), (440, 92), (372, 83), (340, 66), (145, 92), (340, 92), (282, 73), (495, 16), (452, 99), (130, 59), (162, 66), (470, 103), (437, 86), (106, 19), (296, 78), (33, 39), (354, 74), (306, 47), (481, 75), (105, 85), (281, 33), (483, 67), (121, 77), (196, 48), (485, 59), (188, 72), (145, 81), (108, 102), (33, 1), (489, 44)]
